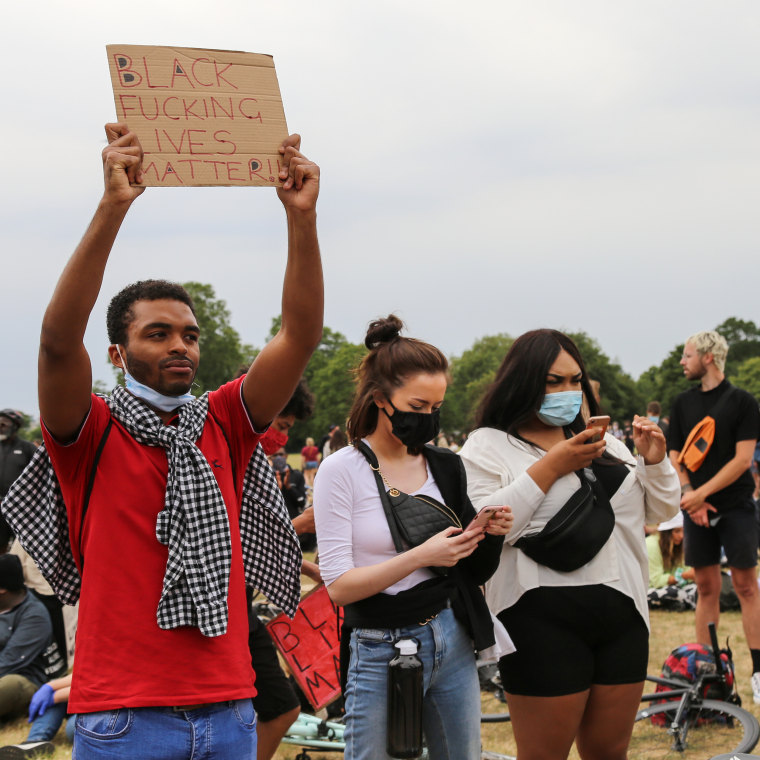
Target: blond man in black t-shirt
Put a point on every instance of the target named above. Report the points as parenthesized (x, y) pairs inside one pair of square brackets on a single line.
[(717, 497)]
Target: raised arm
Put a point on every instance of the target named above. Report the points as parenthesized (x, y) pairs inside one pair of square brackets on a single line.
[(274, 374), (65, 373)]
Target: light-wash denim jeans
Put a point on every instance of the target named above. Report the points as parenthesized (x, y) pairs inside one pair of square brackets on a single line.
[(451, 702), (46, 726), (223, 731)]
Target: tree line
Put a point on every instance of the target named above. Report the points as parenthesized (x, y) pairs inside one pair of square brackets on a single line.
[(330, 372)]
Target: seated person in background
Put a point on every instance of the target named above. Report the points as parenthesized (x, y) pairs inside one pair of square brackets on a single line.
[(25, 633), (47, 711), (671, 583), (57, 653)]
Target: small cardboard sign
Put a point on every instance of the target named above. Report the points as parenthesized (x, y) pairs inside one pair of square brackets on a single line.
[(310, 644), (204, 117)]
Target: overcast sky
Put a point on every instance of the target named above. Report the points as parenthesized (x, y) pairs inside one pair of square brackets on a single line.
[(487, 167)]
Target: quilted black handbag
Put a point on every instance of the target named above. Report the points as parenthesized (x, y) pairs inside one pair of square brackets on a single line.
[(411, 519)]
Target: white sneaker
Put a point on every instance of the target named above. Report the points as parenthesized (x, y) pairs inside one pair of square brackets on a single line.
[(27, 749), (756, 688)]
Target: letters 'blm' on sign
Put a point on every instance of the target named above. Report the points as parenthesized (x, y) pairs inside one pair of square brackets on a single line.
[(310, 644)]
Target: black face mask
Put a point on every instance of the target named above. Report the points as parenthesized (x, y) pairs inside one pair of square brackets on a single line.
[(414, 429)]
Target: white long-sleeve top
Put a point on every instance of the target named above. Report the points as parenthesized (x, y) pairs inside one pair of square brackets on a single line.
[(352, 529), (496, 465)]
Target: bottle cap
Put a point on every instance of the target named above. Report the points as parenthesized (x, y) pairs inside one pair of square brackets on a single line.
[(406, 646)]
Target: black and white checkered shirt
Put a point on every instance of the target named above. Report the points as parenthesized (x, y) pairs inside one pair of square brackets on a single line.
[(193, 523)]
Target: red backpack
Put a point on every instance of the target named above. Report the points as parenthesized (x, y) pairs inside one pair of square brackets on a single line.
[(689, 661)]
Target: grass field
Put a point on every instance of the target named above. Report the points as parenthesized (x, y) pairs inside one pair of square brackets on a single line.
[(669, 629)]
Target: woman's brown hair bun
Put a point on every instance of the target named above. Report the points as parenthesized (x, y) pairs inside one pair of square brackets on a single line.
[(383, 331), (391, 360)]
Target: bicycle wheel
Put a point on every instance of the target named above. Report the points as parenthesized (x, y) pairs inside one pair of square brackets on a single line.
[(713, 728)]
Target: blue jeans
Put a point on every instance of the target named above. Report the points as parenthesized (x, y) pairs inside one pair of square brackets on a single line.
[(46, 726), (451, 702), (223, 731)]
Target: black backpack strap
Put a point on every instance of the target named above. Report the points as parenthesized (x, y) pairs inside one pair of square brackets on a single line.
[(369, 455), (90, 484), (229, 448), (721, 402)]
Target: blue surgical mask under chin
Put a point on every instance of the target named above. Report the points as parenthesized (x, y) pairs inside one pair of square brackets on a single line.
[(151, 396), (560, 409)]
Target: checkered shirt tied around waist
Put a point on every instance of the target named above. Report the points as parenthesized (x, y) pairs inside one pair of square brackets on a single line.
[(193, 523)]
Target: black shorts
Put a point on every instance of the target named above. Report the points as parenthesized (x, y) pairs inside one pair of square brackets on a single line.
[(735, 530), (275, 694), (571, 637)]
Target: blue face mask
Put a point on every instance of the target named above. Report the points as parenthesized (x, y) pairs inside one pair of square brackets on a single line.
[(559, 409), (654, 418), (151, 396)]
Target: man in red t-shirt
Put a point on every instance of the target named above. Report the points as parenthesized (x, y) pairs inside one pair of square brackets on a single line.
[(162, 666)]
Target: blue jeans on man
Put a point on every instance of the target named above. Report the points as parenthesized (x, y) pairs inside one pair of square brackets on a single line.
[(221, 731)]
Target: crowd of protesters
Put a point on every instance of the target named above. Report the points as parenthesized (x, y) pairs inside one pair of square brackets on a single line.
[(180, 506)]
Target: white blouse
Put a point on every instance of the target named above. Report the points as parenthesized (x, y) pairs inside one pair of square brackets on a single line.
[(352, 529), (496, 465)]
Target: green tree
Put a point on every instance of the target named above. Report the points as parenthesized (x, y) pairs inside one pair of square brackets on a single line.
[(330, 378), (664, 382), (30, 430), (333, 386), (748, 376), (743, 338), (470, 375), (620, 396), (222, 351)]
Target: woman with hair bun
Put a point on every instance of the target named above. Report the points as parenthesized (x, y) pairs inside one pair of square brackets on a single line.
[(428, 592), (580, 627)]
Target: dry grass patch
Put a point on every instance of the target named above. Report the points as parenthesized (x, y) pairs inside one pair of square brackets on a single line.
[(669, 629)]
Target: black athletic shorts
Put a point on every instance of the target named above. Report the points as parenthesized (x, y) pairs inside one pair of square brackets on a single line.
[(571, 637), (735, 530), (275, 694)]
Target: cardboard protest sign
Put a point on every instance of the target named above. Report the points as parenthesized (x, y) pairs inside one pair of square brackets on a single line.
[(310, 644), (204, 117)]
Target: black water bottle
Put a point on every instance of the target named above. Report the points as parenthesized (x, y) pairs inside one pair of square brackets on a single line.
[(405, 702)]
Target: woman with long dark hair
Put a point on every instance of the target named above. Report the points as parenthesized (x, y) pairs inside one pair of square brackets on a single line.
[(581, 634), (429, 592)]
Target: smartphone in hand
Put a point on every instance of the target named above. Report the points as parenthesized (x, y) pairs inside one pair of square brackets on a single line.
[(483, 517), (602, 421)]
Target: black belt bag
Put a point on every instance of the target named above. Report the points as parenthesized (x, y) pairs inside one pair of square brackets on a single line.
[(577, 532)]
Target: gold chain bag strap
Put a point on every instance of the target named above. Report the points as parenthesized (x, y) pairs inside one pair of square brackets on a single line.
[(412, 519)]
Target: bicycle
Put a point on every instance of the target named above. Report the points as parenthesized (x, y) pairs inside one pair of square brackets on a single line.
[(697, 726)]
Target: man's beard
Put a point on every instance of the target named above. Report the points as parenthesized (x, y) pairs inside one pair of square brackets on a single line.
[(140, 370)]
